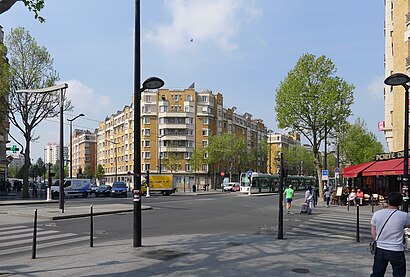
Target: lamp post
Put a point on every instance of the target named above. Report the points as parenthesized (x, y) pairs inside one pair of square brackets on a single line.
[(71, 142), (62, 89), (150, 83), (281, 183), (270, 152), (400, 79)]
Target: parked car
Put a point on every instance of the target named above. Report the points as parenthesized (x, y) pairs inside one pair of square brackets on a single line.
[(232, 186), (103, 190), (92, 189), (119, 189)]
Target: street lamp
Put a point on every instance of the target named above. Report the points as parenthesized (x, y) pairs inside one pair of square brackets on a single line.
[(62, 89), (71, 142), (400, 79), (150, 83)]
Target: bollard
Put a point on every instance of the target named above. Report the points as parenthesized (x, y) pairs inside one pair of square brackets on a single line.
[(91, 227), (33, 252), (357, 224), (348, 203), (372, 203)]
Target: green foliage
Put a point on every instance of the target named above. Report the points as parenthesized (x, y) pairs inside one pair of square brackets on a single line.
[(88, 171), (100, 172), (35, 6), (359, 145), (228, 150), (312, 97), (298, 161), (170, 161)]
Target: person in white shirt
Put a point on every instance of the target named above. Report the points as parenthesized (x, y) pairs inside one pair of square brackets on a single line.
[(390, 247)]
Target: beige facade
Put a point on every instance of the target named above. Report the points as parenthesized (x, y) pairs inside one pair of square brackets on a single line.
[(173, 124), (83, 152), (276, 142), (4, 125), (397, 59)]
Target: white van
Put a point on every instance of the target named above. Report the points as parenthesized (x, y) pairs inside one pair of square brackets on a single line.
[(73, 187)]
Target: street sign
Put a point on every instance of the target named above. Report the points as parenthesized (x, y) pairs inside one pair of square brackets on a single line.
[(249, 173), (13, 148), (325, 175), (337, 170), (222, 174)]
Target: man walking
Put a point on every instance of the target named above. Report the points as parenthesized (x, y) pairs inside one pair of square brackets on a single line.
[(289, 192), (390, 247)]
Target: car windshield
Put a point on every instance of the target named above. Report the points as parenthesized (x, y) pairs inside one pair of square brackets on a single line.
[(103, 187), (118, 185)]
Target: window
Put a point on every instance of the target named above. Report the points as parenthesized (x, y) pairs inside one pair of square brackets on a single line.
[(145, 132), (189, 98), (163, 109), (148, 98), (204, 143), (204, 168), (146, 143), (187, 155), (146, 155), (205, 121), (146, 120), (205, 132), (188, 167), (145, 167), (204, 110), (204, 99)]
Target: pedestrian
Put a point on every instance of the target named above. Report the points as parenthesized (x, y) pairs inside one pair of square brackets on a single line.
[(327, 195), (316, 196), (359, 197), (289, 193), (388, 229), (309, 197)]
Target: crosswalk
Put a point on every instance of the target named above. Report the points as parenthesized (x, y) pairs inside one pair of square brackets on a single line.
[(333, 224), (18, 239)]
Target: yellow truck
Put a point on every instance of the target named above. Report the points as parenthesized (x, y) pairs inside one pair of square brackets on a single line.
[(159, 183)]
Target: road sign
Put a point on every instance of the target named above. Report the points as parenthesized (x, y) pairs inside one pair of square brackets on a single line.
[(337, 170), (249, 173), (13, 148), (222, 174), (325, 175)]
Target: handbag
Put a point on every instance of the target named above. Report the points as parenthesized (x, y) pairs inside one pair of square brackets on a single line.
[(373, 244)]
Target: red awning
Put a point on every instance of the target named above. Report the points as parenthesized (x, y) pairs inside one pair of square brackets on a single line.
[(388, 167), (354, 170)]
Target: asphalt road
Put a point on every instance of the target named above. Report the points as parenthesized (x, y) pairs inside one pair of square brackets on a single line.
[(229, 213)]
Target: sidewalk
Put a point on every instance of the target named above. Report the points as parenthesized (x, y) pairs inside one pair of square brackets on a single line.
[(208, 255)]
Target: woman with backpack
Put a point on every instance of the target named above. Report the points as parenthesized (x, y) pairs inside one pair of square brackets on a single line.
[(309, 198)]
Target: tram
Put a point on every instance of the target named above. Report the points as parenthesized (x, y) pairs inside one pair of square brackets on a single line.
[(262, 182)]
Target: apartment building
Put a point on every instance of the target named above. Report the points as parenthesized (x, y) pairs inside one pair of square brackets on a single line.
[(276, 142), (4, 124), (173, 124), (397, 59), (83, 153), (52, 154)]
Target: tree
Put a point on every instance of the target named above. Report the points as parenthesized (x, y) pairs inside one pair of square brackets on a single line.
[(88, 171), (312, 101), (100, 172), (196, 161), (298, 161), (359, 145), (34, 6), (170, 161), (30, 67), (227, 151)]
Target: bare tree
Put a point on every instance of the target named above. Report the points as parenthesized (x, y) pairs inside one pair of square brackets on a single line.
[(30, 67)]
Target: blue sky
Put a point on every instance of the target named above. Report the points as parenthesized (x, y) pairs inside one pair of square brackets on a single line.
[(241, 48)]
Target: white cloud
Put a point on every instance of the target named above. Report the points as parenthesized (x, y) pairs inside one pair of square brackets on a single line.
[(215, 21), (86, 100), (376, 88)]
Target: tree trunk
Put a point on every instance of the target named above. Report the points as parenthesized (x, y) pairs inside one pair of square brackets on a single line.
[(26, 168), (318, 167)]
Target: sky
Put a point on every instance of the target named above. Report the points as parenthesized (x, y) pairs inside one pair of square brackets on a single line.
[(240, 48)]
